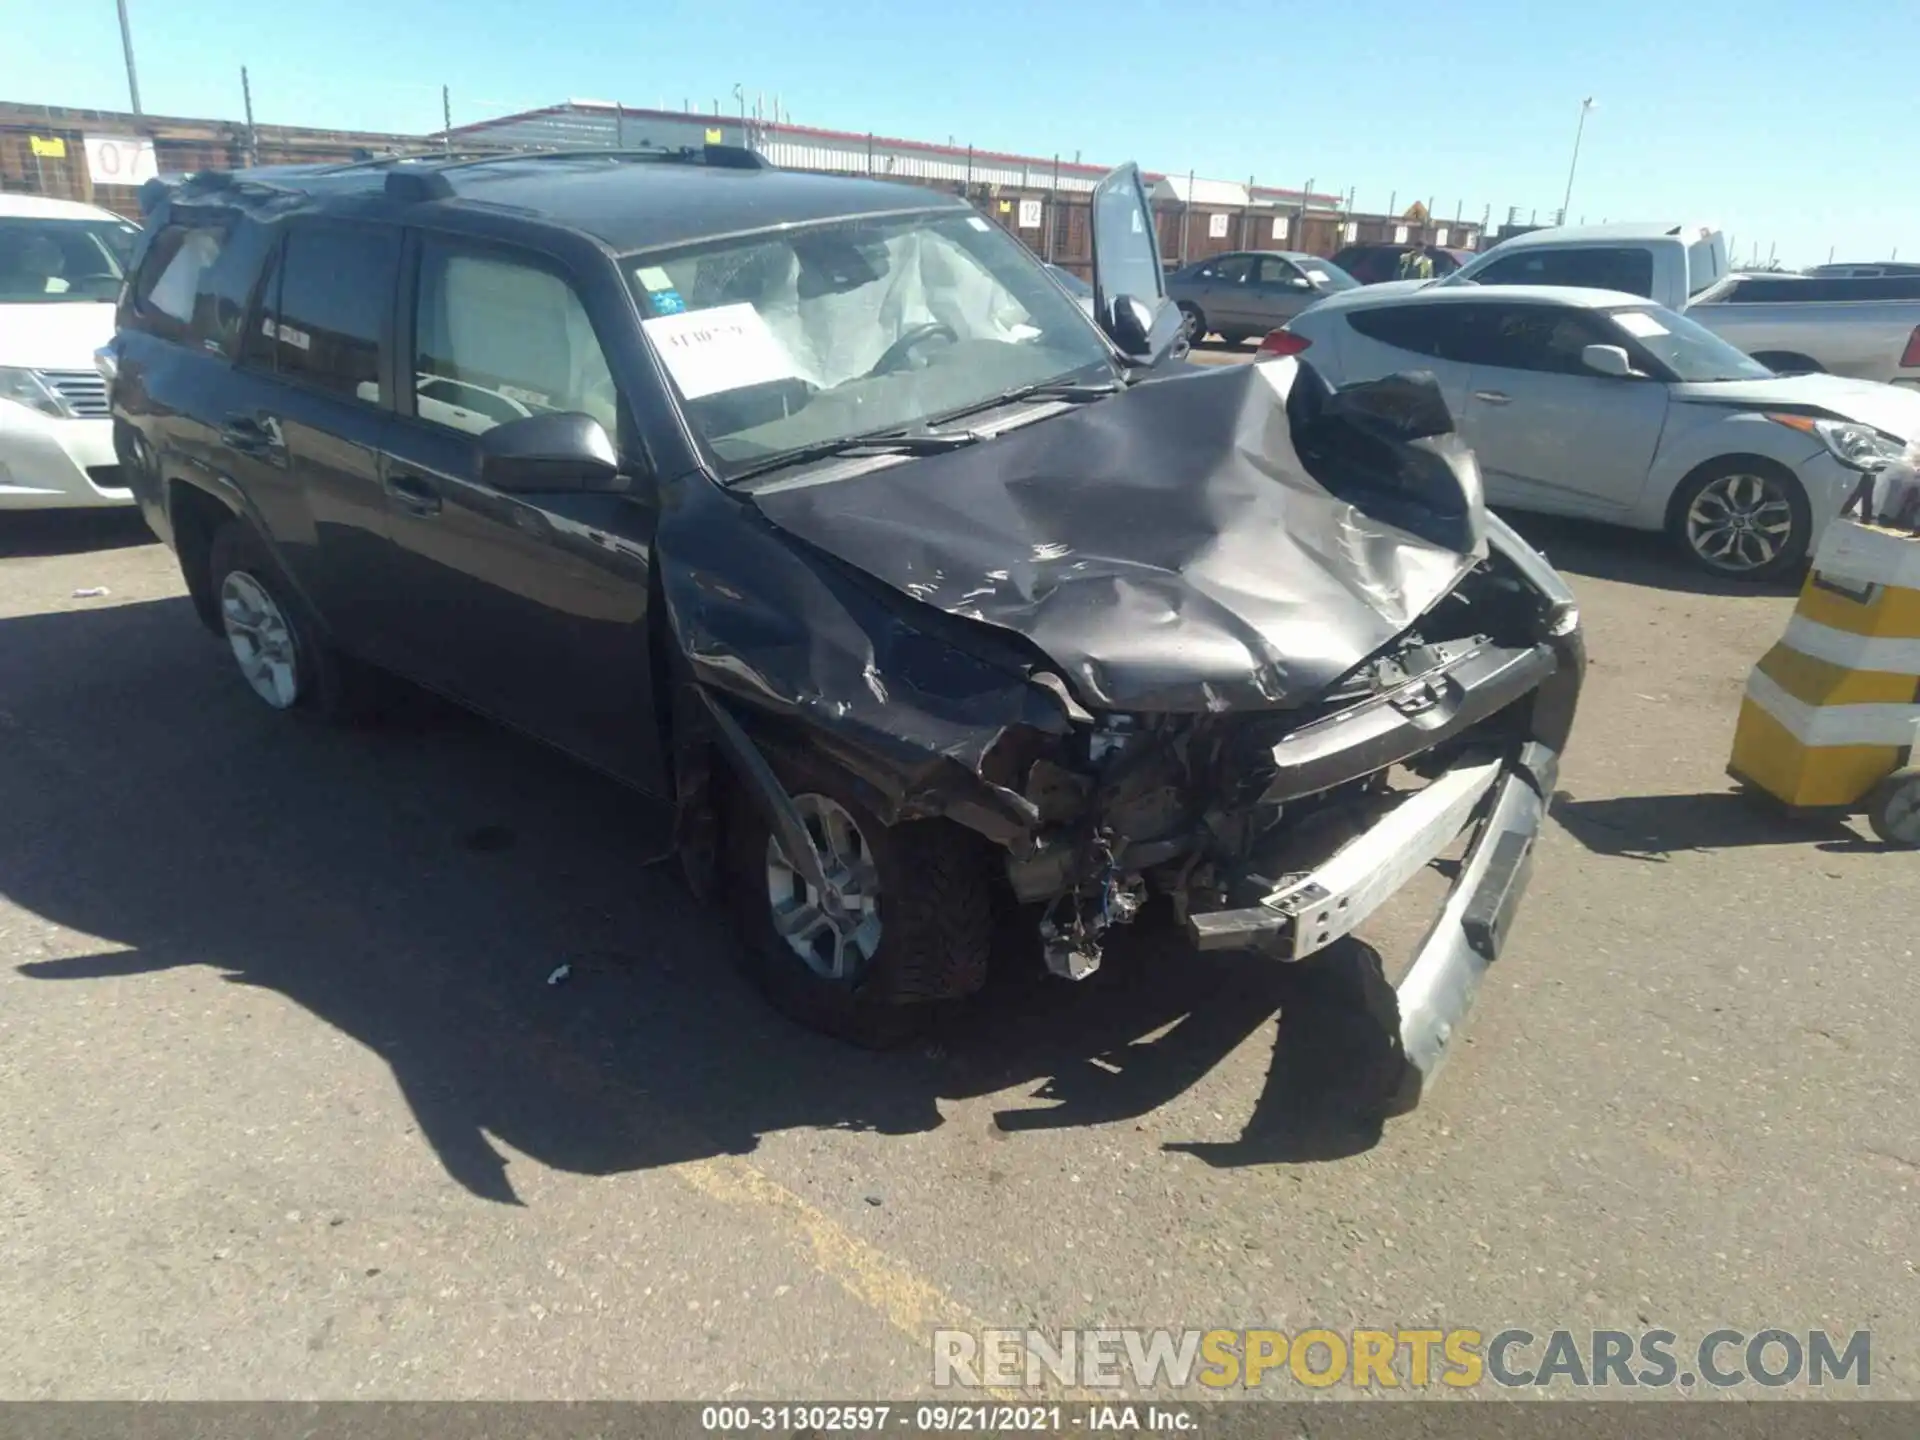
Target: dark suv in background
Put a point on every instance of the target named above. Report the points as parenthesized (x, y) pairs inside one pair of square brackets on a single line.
[(1372, 264), (816, 508)]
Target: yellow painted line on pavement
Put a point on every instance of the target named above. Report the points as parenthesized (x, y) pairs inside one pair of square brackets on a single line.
[(913, 1306), (909, 1303)]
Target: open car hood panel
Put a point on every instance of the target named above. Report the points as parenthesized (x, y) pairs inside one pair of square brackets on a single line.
[(1166, 548)]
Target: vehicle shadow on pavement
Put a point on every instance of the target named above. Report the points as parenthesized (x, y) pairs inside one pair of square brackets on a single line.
[(1632, 557), (71, 532), (416, 884), (1655, 827), (1160, 1016)]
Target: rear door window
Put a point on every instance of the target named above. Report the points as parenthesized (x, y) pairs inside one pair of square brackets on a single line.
[(1230, 271), (1441, 331), (1593, 267), (225, 289), (331, 317)]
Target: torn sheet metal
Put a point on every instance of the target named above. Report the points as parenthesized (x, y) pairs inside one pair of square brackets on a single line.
[(905, 698), (1170, 549)]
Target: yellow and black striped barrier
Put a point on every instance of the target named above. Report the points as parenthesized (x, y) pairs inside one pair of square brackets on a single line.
[(1831, 716)]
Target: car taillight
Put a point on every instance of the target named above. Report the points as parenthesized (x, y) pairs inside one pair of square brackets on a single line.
[(1911, 355), (1283, 342)]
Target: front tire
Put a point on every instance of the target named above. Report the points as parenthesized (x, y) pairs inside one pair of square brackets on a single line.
[(1742, 518), (909, 920)]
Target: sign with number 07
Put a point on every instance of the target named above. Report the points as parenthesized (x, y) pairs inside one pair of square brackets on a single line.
[(120, 160)]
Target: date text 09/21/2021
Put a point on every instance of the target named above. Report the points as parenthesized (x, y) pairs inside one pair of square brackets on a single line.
[(945, 1418)]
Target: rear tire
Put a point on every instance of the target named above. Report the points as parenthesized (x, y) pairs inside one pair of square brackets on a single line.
[(1742, 517), (914, 923), (1194, 323), (278, 648)]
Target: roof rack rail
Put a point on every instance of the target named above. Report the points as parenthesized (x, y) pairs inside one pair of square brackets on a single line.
[(425, 179)]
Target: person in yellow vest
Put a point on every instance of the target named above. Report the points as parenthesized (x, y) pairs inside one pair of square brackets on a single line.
[(1416, 264)]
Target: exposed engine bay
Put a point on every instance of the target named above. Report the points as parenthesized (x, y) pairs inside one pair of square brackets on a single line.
[(1199, 810)]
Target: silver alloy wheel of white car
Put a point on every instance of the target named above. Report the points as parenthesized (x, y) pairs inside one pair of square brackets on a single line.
[(262, 639), (1740, 522), (829, 929)]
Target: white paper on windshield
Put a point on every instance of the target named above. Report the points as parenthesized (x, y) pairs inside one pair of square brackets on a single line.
[(1639, 323), (725, 348)]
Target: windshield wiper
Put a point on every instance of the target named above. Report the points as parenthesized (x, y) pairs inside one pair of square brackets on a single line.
[(907, 442), (1068, 390)]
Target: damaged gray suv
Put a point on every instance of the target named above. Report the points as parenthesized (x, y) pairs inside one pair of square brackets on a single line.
[(816, 508)]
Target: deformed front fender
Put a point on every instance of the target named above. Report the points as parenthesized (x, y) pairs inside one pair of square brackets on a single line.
[(780, 650)]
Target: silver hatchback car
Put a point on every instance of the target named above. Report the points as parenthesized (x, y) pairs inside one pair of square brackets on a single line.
[(1250, 292)]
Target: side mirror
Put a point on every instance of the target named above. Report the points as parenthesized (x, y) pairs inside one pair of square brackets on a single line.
[(1607, 360), (564, 451), (1299, 282), (1129, 322), (1129, 285)]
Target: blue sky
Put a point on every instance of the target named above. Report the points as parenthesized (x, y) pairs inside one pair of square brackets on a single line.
[(1789, 125)]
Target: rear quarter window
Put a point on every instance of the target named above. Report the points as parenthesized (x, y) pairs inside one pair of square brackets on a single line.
[(168, 285)]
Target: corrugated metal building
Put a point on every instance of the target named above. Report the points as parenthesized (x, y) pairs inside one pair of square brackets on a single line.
[(1038, 198), (56, 151), (1041, 200)]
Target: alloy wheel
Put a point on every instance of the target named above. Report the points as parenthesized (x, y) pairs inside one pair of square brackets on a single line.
[(835, 931), (261, 638), (1740, 522)]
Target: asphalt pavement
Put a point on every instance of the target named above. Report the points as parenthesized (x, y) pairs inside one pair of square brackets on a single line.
[(290, 1108)]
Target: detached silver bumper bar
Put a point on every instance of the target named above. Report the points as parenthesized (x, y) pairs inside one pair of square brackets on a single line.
[(1309, 912)]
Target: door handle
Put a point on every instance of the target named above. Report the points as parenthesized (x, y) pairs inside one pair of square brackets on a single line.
[(1493, 397), (250, 436), (415, 494)]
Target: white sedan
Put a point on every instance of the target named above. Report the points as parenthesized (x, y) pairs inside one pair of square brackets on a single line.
[(61, 265), (1602, 405)]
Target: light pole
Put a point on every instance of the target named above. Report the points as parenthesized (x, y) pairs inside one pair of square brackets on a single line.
[(1585, 105), (126, 44)]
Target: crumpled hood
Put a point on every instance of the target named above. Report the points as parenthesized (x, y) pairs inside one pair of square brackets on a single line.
[(1167, 548), (1889, 408)]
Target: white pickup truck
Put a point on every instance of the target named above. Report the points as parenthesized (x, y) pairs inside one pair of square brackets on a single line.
[(1866, 328)]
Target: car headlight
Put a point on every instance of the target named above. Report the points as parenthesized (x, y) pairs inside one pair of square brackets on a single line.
[(1859, 447), (26, 387)]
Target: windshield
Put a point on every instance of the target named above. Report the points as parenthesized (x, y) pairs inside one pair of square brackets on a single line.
[(1691, 351), (54, 261), (822, 333)]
